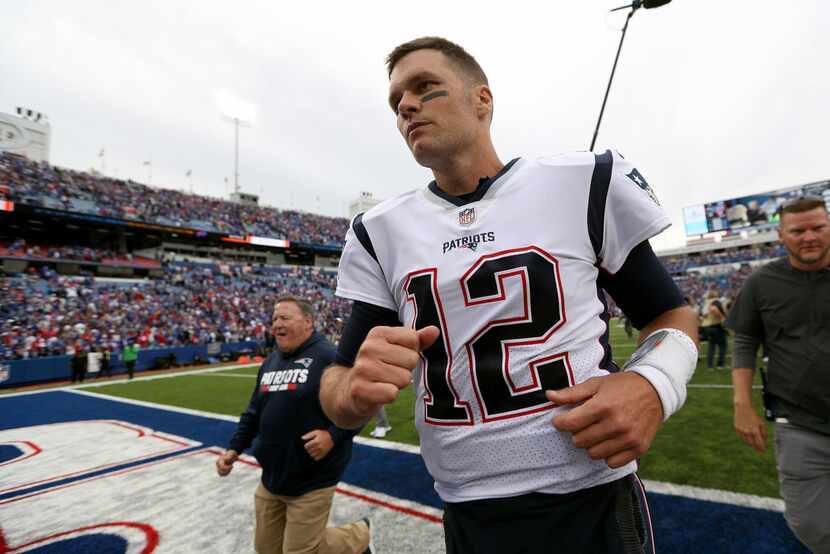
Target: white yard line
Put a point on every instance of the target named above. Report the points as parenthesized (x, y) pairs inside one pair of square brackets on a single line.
[(164, 376), (117, 381), (246, 376)]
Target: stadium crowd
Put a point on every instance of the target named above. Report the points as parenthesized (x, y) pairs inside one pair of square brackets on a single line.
[(26, 182), (725, 283), (46, 314), (681, 263), (19, 248)]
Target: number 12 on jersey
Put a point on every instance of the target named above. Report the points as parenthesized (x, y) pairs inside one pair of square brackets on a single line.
[(488, 351)]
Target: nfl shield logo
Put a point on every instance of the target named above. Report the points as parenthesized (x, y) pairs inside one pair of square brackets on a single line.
[(5, 372), (466, 217)]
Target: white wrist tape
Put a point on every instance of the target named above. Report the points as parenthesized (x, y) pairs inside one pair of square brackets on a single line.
[(667, 359)]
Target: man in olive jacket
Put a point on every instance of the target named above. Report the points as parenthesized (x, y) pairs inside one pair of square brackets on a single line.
[(786, 306)]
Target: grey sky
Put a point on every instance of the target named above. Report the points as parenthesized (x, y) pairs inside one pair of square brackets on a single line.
[(712, 99)]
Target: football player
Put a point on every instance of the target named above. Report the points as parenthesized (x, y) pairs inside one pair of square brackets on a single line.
[(485, 290)]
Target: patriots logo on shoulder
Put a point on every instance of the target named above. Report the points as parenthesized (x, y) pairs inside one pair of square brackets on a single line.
[(641, 182), (467, 217)]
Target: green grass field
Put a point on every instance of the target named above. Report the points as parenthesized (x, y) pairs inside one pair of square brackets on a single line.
[(697, 446)]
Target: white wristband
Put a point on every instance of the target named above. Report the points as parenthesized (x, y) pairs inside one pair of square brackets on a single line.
[(667, 359)]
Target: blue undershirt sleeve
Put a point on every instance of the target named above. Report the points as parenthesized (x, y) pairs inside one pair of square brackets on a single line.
[(364, 317), (642, 288)]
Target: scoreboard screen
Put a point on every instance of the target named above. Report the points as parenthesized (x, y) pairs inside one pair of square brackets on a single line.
[(754, 212)]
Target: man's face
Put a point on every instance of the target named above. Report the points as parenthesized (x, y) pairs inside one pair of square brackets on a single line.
[(438, 112), (290, 326), (806, 236)]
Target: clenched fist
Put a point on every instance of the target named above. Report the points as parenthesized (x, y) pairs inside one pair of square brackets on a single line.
[(224, 463), (384, 364)]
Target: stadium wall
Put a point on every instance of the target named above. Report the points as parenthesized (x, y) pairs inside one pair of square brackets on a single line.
[(14, 373)]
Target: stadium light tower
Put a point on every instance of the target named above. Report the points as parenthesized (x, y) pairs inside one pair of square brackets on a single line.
[(240, 113), (635, 5), (149, 165)]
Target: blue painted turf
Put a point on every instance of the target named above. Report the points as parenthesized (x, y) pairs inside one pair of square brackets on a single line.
[(9, 452), (99, 543), (681, 525)]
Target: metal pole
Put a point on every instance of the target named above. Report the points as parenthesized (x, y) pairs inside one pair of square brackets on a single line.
[(236, 156), (613, 69), (237, 123)]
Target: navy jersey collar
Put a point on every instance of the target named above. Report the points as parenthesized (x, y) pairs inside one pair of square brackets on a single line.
[(484, 185)]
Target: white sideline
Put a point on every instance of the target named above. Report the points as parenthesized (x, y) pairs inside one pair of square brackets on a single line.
[(715, 495), (246, 376), (138, 377)]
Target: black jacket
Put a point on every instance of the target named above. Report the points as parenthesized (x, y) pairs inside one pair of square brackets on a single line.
[(284, 406), (78, 363)]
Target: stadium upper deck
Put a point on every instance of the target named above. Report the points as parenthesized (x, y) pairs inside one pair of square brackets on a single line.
[(39, 184)]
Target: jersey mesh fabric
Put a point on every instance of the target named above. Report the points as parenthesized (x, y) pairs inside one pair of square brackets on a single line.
[(511, 280)]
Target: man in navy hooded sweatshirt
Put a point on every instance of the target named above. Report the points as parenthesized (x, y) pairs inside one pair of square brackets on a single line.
[(302, 453)]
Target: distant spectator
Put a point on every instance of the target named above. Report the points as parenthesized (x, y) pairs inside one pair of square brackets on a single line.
[(736, 213), (712, 318), (627, 326), (382, 425), (755, 214), (78, 365), (129, 355), (93, 363), (106, 361), (270, 343)]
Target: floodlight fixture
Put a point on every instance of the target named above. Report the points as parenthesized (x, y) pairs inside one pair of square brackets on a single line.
[(635, 5)]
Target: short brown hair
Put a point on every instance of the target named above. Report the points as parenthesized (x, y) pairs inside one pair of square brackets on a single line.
[(459, 57), (305, 306), (802, 204)]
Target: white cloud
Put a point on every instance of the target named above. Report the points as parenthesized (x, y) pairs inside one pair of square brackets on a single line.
[(711, 99)]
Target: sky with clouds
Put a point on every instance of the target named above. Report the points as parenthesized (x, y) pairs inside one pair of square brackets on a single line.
[(712, 99)]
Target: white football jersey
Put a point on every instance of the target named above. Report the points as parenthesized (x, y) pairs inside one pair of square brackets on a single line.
[(509, 276)]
